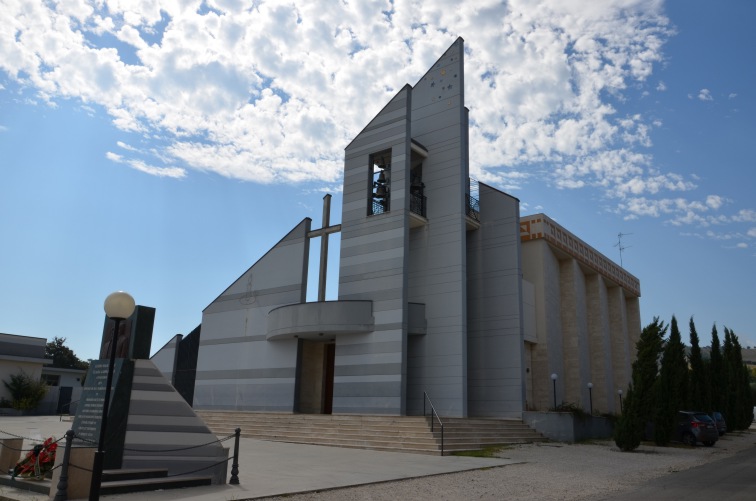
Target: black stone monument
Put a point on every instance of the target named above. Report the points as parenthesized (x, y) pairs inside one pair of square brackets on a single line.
[(133, 342)]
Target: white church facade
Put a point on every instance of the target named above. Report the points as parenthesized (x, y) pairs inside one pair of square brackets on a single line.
[(444, 291)]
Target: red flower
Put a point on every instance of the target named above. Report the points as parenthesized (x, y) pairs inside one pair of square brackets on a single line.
[(38, 461)]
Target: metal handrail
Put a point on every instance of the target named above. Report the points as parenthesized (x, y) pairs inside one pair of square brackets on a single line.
[(434, 414)]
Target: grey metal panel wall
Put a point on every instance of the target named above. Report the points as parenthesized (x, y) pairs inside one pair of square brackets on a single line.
[(233, 338), (437, 267), (165, 358), (494, 298), (369, 368)]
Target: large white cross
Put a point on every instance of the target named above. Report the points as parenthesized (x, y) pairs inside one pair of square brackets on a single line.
[(323, 233)]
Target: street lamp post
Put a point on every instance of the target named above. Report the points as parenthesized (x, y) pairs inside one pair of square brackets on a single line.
[(620, 395), (118, 307), (553, 379), (590, 396)]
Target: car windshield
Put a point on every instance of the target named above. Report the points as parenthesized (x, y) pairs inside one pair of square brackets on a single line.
[(704, 417)]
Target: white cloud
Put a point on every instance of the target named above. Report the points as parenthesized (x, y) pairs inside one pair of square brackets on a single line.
[(714, 201), (742, 245), (172, 172), (732, 95), (273, 90), (705, 95), (745, 216), (681, 212)]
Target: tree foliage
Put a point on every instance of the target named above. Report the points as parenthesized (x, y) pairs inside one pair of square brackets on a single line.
[(723, 383), (62, 356), (716, 380), (26, 392), (673, 386), (628, 431), (738, 399), (646, 368), (699, 385)]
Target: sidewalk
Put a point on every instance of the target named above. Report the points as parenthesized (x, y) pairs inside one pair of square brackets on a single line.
[(273, 468)]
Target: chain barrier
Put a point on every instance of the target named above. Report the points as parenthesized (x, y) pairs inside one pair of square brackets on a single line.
[(221, 440), (85, 440), (217, 440), (29, 439), (13, 435), (181, 448), (199, 469), (71, 465)]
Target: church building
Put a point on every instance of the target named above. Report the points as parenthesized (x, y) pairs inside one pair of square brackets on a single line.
[(444, 292)]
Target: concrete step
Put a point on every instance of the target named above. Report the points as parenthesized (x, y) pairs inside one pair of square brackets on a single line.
[(39, 486), (133, 474), (152, 484), (393, 433)]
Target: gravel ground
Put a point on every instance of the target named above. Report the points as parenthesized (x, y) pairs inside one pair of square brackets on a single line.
[(548, 471)]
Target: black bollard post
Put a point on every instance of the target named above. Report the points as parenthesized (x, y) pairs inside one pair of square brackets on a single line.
[(235, 465), (62, 493)]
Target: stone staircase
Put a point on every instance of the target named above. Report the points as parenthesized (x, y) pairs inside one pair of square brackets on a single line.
[(384, 433)]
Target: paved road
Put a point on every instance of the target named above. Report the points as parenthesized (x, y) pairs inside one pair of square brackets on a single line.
[(732, 478)]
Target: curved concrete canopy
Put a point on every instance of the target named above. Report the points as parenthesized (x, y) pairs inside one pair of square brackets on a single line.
[(320, 320)]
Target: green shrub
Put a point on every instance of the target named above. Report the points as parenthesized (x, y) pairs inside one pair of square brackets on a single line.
[(628, 430), (26, 392), (572, 408)]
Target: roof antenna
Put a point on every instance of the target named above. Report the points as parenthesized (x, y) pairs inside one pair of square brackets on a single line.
[(622, 247)]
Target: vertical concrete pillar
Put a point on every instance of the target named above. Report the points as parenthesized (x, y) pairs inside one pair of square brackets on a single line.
[(602, 374), (632, 306), (620, 340), (541, 268), (576, 349)]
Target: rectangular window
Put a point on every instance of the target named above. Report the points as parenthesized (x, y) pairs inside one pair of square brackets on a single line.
[(379, 194)]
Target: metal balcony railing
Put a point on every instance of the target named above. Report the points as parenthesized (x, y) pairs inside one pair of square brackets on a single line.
[(472, 207), (379, 207), (417, 204)]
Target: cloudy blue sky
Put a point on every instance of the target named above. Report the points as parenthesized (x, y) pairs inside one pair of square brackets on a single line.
[(162, 147)]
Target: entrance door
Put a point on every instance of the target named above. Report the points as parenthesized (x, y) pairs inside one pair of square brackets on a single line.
[(64, 400), (328, 362), (315, 377)]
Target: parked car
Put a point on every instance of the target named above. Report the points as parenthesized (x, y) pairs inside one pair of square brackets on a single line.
[(719, 420), (694, 427)]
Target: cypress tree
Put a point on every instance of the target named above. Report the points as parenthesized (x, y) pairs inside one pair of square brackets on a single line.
[(716, 381), (646, 369), (743, 406), (628, 430), (672, 395), (730, 382), (699, 389)]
